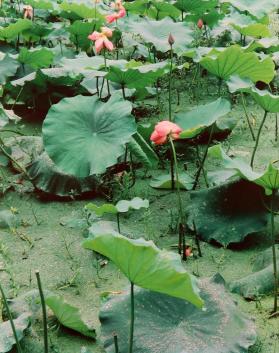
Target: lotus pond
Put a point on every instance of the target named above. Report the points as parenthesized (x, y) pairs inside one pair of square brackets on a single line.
[(139, 176)]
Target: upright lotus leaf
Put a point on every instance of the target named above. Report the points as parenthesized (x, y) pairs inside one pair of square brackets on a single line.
[(269, 179), (268, 101), (74, 11), (8, 67), (138, 77), (257, 30), (101, 210), (147, 266), (94, 133), (157, 32), (234, 61), (165, 324), (161, 9), (79, 33), (36, 32), (196, 6), (69, 316), (7, 340), (257, 8), (14, 29), (136, 203), (197, 120), (37, 59), (227, 213), (40, 4), (236, 83), (210, 19)]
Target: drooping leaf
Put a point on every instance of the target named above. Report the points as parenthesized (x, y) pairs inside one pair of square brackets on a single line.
[(157, 32), (269, 179), (37, 59), (94, 133), (234, 61), (143, 152), (166, 324), (227, 213), (147, 266), (69, 316), (7, 340), (163, 181), (8, 67), (268, 101), (203, 116)]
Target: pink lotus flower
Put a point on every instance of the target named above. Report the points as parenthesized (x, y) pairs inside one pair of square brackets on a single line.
[(101, 39), (28, 12), (121, 12), (164, 130), (200, 23)]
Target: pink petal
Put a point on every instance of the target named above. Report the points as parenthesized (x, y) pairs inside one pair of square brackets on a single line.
[(108, 44), (99, 45), (157, 139), (107, 31), (121, 13), (111, 18), (94, 36)]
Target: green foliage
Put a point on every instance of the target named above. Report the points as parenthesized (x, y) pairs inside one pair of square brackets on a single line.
[(8, 67), (15, 29), (69, 316), (94, 133), (147, 266), (164, 181), (143, 151), (37, 59)]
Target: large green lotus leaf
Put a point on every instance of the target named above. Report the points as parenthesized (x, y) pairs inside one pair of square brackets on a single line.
[(139, 7), (269, 179), (94, 134), (164, 181), (209, 18), (143, 151), (69, 316), (8, 67), (7, 340), (227, 213), (46, 177), (257, 8), (165, 324), (37, 59), (14, 29), (138, 77), (234, 61), (36, 32), (236, 83), (101, 210), (162, 9), (147, 266), (268, 101), (79, 33), (203, 116), (157, 33), (257, 30), (75, 11), (40, 4), (196, 6)]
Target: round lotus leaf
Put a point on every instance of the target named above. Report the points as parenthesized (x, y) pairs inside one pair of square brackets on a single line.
[(167, 324), (84, 136)]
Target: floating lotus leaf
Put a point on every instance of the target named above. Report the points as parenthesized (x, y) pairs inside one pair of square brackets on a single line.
[(234, 61), (269, 179), (227, 213), (166, 324), (261, 281), (45, 176), (94, 133), (69, 316), (257, 8), (147, 266), (7, 340), (197, 120), (157, 32)]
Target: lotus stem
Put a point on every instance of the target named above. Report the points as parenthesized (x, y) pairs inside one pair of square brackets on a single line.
[(201, 167), (258, 139), (132, 318), (115, 340), (170, 82), (118, 222), (276, 127), (19, 350), (43, 303), (275, 272), (247, 116)]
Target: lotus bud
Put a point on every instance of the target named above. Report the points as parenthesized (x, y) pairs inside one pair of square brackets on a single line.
[(200, 23), (171, 40)]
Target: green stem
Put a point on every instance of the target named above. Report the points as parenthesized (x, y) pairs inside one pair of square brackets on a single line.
[(275, 272), (258, 139), (201, 167), (115, 339), (43, 303), (247, 116), (106, 69), (132, 313), (118, 222), (19, 350), (180, 207), (170, 82)]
